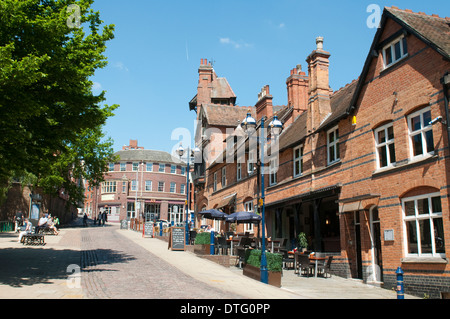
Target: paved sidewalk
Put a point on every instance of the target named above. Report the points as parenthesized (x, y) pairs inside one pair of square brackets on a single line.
[(42, 272), (231, 279)]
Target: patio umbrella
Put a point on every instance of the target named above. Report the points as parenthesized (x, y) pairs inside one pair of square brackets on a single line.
[(213, 214), (243, 217)]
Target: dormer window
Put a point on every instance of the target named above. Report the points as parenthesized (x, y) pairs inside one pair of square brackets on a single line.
[(395, 51)]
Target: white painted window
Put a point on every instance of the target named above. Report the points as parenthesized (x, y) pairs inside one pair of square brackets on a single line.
[(298, 161), (384, 142), (333, 145), (395, 51), (420, 133), (423, 226)]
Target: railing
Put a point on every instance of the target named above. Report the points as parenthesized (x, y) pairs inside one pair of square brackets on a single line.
[(6, 226)]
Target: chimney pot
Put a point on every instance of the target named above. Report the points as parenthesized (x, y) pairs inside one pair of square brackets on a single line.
[(319, 42), (201, 62)]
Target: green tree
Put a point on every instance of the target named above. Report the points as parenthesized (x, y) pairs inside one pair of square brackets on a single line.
[(50, 120)]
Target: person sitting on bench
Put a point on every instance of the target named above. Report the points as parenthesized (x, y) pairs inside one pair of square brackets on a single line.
[(42, 223), (27, 230)]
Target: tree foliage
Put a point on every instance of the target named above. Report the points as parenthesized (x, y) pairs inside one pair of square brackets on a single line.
[(50, 120)]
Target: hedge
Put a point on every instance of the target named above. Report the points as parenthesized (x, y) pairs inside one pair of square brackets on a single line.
[(203, 238), (274, 261)]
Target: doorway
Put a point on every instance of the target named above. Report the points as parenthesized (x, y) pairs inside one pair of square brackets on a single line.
[(358, 246), (375, 234)]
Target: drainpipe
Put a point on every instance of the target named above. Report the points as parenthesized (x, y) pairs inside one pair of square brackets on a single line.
[(446, 83)]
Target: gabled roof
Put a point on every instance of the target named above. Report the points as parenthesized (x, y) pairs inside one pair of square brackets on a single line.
[(432, 30), (221, 89), (225, 115)]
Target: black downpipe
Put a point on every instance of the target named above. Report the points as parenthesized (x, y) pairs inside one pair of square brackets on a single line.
[(445, 85)]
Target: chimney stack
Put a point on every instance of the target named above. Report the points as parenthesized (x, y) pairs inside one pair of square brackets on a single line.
[(264, 105), (297, 89), (206, 75), (319, 89)]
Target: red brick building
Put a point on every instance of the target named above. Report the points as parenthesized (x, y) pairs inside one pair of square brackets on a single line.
[(142, 184), (363, 170)]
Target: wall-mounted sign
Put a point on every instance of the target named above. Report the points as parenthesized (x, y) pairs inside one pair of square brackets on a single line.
[(389, 235)]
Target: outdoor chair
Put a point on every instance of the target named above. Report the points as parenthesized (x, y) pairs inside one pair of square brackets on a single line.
[(192, 235), (325, 268), (241, 256), (287, 260), (223, 245), (280, 245), (304, 264)]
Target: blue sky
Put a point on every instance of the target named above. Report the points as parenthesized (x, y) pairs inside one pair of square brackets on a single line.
[(154, 58)]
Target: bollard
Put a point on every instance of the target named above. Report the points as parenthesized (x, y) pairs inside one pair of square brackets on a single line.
[(160, 229), (400, 288), (211, 246)]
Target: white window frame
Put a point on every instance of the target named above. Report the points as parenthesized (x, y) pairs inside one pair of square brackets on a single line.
[(149, 167), (238, 171), (298, 159), (135, 166), (109, 187), (273, 169), (148, 186), (111, 167), (162, 168), (134, 185), (251, 163), (417, 218), (183, 170), (333, 144), (183, 189), (173, 169), (224, 176), (161, 185), (386, 144), (173, 187), (215, 182), (425, 127), (391, 48), (123, 167), (249, 208)]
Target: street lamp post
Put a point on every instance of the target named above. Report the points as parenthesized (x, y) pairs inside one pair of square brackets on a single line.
[(249, 124), (190, 153)]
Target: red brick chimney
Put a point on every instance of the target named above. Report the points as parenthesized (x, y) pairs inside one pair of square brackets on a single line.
[(264, 105), (297, 91), (319, 89), (206, 74)]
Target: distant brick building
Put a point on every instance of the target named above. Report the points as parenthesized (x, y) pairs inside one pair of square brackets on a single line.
[(363, 170), (142, 184)]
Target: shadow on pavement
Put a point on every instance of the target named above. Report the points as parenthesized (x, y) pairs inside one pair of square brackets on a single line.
[(27, 266)]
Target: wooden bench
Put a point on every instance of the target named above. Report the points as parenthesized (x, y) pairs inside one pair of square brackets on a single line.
[(33, 239)]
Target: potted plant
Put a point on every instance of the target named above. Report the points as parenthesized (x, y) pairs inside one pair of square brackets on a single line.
[(302, 241), (252, 266), (202, 243)]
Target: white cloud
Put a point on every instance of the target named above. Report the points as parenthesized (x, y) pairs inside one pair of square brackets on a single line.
[(235, 44), (96, 87), (119, 65), (282, 25)]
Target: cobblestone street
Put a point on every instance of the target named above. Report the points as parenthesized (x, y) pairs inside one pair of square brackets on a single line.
[(115, 267)]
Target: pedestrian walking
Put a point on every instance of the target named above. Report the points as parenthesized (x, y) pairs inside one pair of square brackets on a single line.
[(85, 220)]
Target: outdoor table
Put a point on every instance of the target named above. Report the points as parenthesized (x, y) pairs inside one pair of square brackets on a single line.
[(232, 240), (316, 260), (272, 242)]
